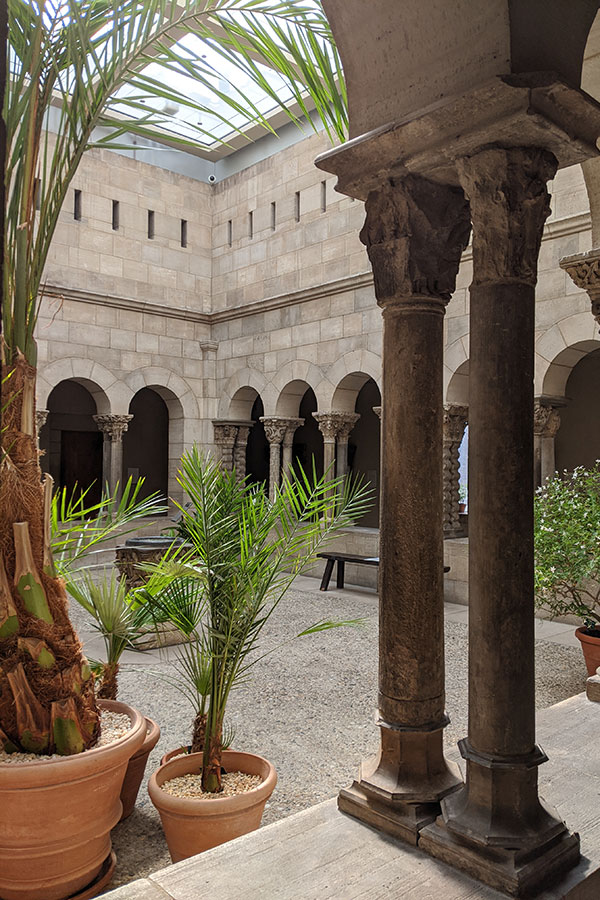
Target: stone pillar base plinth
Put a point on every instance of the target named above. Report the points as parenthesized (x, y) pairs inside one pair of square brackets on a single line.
[(399, 791), (519, 873)]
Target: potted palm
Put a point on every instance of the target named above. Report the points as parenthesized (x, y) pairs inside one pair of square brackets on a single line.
[(247, 550), (567, 553), (74, 66)]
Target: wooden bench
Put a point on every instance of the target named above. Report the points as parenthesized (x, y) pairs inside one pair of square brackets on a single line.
[(341, 559)]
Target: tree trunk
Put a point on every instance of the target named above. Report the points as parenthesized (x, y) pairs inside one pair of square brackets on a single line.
[(47, 702), (109, 686)]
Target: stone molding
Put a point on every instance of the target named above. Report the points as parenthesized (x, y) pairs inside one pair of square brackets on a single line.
[(113, 426), (509, 204), (415, 232), (584, 271), (546, 419)]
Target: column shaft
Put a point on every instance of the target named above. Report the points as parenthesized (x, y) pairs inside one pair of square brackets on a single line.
[(495, 826), (455, 420), (415, 232), (113, 428)]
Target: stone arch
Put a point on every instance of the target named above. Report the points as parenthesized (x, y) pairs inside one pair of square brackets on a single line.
[(456, 355), (182, 406), (298, 370), (236, 396), (110, 395), (458, 386), (560, 348), (346, 378)]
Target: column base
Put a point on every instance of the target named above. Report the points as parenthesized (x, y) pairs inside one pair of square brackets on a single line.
[(400, 820), (519, 873), (399, 792)]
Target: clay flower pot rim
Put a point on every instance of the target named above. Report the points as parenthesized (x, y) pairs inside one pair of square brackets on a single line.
[(582, 634), (213, 804), (86, 758)]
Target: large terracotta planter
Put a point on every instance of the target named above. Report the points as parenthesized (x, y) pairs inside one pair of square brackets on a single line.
[(178, 752), (591, 649), (137, 767), (56, 816), (192, 826)]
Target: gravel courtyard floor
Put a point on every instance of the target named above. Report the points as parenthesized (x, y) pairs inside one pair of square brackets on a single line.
[(309, 707)]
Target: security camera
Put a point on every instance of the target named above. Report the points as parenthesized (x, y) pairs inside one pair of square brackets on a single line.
[(212, 179)]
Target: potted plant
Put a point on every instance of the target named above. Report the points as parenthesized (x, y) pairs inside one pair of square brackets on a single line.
[(67, 62), (567, 553), (462, 497), (247, 550)]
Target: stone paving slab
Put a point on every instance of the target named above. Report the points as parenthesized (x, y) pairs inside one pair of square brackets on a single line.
[(321, 854)]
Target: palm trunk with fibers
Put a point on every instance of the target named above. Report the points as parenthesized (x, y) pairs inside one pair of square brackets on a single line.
[(109, 687), (199, 734), (47, 700)]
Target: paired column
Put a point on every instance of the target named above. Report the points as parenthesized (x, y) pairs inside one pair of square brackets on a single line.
[(455, 421), (225, 437), (275, 431), (288, 442), (336, 427), (41, 417), (415, 232), (496, 827), (113, 427), (546, 422), (231, 437)]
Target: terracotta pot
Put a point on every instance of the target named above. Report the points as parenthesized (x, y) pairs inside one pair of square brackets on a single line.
[(137, 767), (57, 816), (172, 753), (192, 826), (591, 650)]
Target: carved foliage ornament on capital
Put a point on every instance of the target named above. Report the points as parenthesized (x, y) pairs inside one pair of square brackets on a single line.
[(509, 205), (546, 420), (113, 427), (415, 232)]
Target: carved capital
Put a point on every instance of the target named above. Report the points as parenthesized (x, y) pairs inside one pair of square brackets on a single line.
[(225, 434), (415, 232), (455, 421), (275, 428), (377, 411), (546, 420), (41, 416), (509, 205), (347, 422), (292, 425), (584, 270), (113, 427)]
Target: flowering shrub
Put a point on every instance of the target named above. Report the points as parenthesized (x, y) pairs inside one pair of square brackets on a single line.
[(567, 545)]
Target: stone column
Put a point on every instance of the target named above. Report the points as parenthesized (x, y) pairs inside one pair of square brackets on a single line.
[(225, 438), (113, 428), (328, 426), (288, 442), (275, 429), (495, 827), (546, 422), (415, 232), (584, 270), (347, 423), (455, 421), (239, 450)]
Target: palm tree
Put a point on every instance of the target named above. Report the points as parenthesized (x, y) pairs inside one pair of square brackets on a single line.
[(76, 66)]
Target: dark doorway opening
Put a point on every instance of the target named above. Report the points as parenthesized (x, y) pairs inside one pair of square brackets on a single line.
[(146, 443)]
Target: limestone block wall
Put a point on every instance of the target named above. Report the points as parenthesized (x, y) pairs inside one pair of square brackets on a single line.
[(279, 227), (89, 254)]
